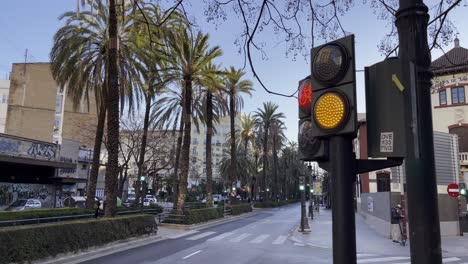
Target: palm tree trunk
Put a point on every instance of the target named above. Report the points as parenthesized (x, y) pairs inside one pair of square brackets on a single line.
[(209, 128), (275, 169), (141, 159), (185, 155), (177, 162), (233, 167), (113, 116), (265, 152), (91, 192)]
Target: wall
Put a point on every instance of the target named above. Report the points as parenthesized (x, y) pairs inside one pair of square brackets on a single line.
[(10, 192), (31, 103), (375, 208), (21, 147), (4, 92)]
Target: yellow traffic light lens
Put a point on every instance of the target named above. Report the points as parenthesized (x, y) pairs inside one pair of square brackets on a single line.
[(330, 110)]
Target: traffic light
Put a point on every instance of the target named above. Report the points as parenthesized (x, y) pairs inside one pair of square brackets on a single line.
[(462, 187), (310, 148), (333, 79), (142, 178)]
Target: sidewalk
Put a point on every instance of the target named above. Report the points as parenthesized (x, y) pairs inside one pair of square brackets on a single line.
[(367, 240)]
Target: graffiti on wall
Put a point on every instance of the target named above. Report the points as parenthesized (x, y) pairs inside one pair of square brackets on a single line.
[(42, 150), (10, 192), (21, 147)]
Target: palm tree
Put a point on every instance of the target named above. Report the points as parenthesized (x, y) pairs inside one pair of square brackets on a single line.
[(235, 86), (264, 118), (190, 56), (277, 137), (215, 108), (247, 125), (79, 60)]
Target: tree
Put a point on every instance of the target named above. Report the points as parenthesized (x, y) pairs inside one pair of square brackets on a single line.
[(215, 107), (235, 86), (247, 125), (79, 61), (190, 56), (277, 137), (264, 118)]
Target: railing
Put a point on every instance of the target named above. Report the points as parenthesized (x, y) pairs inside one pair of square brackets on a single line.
[(44, 220), (464, 158)]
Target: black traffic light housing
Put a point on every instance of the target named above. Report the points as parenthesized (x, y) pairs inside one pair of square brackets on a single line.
[(333, 79), (310, 148)]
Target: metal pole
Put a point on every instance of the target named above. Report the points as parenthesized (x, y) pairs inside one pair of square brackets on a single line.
[(425, 243), (342, 173)]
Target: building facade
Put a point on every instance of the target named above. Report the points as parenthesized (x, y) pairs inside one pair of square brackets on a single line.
[(40, 110), (4, 91), (219, 145)]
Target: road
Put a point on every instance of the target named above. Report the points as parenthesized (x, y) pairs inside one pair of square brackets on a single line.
[(261, 238)]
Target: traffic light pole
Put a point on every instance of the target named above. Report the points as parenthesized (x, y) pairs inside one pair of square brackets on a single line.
[(342, 164), (425, 243)]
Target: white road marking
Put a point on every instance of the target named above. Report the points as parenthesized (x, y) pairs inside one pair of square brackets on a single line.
[(222, 236), (362, 255), (372, 260), (194, 253), (299, 244), (183, 234), (259, 239), (446, 260), (239, 238), (202, 235), (280, 240)]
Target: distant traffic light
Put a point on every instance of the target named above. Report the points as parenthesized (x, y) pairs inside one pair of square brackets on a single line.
[(142, 178), (333, 80), (310, 148), (462, 187)]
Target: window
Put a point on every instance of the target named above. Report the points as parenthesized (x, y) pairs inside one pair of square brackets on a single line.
[(458, 95), (383, 182), (4, 99), (443, 97)]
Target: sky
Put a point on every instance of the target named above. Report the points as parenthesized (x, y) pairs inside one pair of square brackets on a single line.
[(31, 24)]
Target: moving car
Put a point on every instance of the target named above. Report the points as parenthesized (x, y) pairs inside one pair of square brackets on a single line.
[(24, 204)]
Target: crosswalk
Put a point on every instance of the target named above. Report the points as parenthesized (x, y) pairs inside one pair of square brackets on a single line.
[(241, 237), (380, 259)]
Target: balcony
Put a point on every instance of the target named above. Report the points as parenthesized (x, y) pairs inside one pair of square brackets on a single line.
[(464, 158)]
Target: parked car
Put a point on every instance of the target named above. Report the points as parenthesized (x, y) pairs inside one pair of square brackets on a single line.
[(24, 204), (147, 201), (152, 198)]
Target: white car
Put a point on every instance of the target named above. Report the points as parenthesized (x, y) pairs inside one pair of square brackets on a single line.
[(24, 204), (151, 198)]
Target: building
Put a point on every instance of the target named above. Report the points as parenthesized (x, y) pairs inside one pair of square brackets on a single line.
[(197, 169), (4, 91), (39, 109), (448, 98)]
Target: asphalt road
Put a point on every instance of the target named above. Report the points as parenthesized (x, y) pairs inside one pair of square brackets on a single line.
[(261, 238)]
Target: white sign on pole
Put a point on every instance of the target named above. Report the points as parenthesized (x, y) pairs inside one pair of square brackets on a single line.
[(386, 142)]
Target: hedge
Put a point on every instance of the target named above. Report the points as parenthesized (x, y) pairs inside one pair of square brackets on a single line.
[(194, 205), (274, 204), (28, 243), (202, 215), (41, 213), (241, 208)]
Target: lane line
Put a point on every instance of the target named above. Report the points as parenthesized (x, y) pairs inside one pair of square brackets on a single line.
[(362, 255), (194, 253), (202, 235), (183, 234), (222, 236), (259, 239), (372, 260), (447, 260), (280, 240), (239, 238)]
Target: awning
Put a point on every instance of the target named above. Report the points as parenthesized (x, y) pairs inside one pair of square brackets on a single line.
[(68, 180), (38, 162)]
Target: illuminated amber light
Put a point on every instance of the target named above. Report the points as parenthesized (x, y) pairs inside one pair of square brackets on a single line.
[(330, 110)]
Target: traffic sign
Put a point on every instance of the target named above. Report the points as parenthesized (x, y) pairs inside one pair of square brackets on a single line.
[(452, 190)]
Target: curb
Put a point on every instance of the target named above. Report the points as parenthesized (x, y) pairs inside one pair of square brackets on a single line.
[(299, 242)]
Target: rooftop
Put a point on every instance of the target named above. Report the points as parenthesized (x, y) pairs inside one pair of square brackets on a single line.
[(455, 60)]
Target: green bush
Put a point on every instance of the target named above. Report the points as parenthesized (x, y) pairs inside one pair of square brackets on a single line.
[(41, 213), (241, 208), (220, 208), (28, 243), (158, 208), (194, 205), (202, 215)]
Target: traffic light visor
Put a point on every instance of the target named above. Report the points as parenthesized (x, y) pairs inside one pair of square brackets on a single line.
[(305, 97), (330, 110), (330, 64)]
